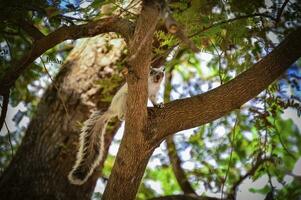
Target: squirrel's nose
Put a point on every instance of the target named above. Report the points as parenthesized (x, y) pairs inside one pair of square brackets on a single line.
[(158, 77)]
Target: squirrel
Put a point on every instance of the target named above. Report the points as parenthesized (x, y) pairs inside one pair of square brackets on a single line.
[(91, 145)]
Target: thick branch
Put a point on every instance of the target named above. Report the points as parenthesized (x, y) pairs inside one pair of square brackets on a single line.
[(50, 143), (134, 152), (31, 30), (201, 109), (111, 24)]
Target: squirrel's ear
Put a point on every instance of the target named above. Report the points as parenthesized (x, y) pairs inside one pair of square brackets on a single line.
[(162, 69)]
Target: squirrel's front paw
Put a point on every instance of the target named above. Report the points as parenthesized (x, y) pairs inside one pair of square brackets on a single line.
[(160, 105), (121, 117)]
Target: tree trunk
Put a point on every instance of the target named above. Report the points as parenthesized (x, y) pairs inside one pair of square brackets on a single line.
[(40, 167), (135, 150)]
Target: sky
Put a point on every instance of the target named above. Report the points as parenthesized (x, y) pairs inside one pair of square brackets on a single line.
[(243, 193)]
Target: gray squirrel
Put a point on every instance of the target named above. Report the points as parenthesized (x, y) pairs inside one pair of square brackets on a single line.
[(91, 144)]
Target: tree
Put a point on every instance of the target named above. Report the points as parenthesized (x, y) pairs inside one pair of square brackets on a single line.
[(41, 164)]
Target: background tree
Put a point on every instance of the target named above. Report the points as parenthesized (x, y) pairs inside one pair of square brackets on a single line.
[(250, 45)]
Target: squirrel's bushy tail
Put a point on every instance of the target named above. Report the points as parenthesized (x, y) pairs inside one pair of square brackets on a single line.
[(91, 147)]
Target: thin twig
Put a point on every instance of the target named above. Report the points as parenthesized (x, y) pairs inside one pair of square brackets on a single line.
[(109, 24), (70, 19), (218, 24), (9, 48), (271, 192), (258, 163), (231, 152), (56, 87), (174, 28), (9, 140), (282, 143), (219, 62), (231, 20), (123, 9), (133, 4), (9, 33), (265, 128), (281, 11), (4, 106)]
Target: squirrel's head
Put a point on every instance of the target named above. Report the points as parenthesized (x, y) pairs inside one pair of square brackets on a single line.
[(157, 74)]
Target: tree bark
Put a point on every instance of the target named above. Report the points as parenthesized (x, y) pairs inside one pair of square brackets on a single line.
[(43, 43), (40, 167), (174, 159), (141, 137), (204, 108), (134, 152)]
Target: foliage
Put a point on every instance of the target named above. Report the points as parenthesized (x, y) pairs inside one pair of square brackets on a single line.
[(109, 86), (232, 35)]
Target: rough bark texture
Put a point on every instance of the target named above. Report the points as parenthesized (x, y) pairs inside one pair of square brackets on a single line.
[(201, 109), (174, 159), (134, 152), (40, 167), (41, 45)]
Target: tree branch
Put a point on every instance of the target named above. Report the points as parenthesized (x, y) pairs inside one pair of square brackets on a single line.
[(174, 159), (31, 30), (201, 109), (134, 152), (251, 172), (281, 11), (110, 24), (173, 27), (5, 100), (232, 20), (231, 153), (177, 168)]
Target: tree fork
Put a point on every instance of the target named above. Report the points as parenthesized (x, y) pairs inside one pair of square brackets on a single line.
[(134, 151), (204, 108)]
